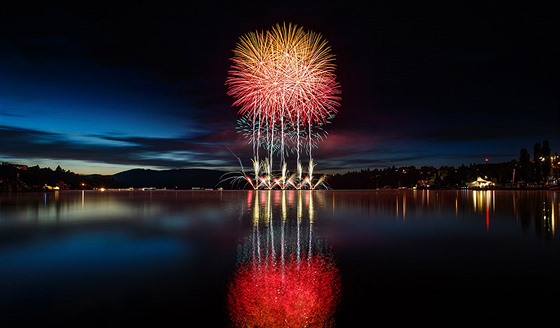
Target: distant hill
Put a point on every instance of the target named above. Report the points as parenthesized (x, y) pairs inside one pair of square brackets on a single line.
[(170, 179)]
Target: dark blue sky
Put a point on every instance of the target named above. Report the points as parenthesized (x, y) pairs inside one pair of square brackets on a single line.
[(99, 87)]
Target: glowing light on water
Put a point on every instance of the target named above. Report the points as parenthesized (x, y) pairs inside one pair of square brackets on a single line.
[(289, 295), (279, 283)]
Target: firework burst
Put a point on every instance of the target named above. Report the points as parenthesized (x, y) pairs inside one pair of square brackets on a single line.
[(284, 84)]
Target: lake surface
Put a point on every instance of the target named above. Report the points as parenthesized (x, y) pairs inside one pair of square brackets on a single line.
[(306, 258)]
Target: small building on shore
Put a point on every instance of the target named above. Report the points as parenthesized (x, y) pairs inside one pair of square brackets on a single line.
[(480, 183)]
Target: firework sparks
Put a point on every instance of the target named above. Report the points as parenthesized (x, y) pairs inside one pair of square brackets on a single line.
[(284, 84)]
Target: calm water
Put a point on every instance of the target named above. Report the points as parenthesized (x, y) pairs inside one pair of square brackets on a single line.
[(317, 257)]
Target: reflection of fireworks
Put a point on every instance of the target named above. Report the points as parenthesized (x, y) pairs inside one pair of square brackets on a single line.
[(296, 294), (284, 84), (285, 277)]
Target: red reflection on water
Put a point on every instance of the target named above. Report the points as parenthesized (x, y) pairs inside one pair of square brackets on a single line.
[(302, 293)]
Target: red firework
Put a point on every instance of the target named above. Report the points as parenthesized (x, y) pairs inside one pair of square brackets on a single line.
[(283, 79), (282, 73)]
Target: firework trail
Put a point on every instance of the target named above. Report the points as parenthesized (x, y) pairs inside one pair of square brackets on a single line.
[(284, 84)]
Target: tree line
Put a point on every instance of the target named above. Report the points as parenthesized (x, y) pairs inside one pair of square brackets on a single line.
[(540, 171), (16, 177)]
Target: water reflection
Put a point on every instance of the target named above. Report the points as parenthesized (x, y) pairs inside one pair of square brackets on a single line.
[(130, 257), (536, 210), (542, 211), (286, 275)]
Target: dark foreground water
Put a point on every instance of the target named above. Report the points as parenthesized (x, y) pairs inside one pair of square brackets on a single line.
[(293, 258)]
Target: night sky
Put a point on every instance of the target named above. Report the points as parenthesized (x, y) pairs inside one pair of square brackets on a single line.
[(102, 87)]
